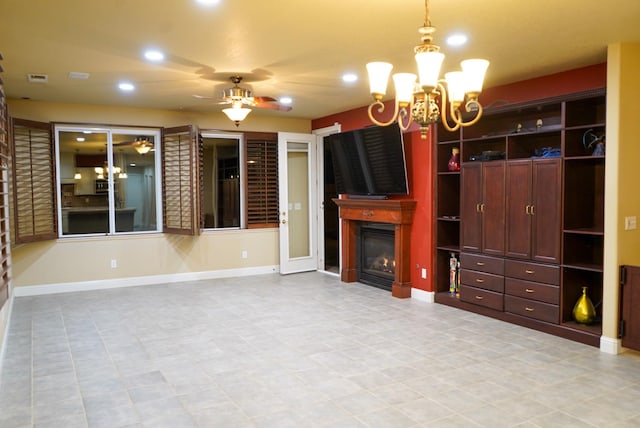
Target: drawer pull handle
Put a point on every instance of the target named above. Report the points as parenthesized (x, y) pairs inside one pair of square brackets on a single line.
[(479, 280), (529, 309), (479, 297), (479, 263), (529, 271), (528, 290)]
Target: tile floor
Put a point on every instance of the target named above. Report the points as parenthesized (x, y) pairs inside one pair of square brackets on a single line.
[(296, 351)]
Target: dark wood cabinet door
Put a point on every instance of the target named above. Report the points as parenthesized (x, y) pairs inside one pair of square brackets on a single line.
[(546, 214), (471, 198), (518, 238), (493, 208)]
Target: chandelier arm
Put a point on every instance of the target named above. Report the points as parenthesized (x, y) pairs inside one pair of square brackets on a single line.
[(476, 118), (380, 106), (404, 114), (443, 106)]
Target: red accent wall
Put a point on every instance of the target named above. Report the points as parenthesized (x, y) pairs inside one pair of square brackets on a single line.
[(419, 152)]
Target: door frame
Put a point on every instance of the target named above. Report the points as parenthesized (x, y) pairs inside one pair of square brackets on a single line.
[(320, 133)]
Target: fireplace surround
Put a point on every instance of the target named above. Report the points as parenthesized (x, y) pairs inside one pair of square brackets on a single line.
[(399, 213)]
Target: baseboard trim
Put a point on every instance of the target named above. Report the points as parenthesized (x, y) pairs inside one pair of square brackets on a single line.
[(38, 290), (3, 345), (422, 295), (609, 345)]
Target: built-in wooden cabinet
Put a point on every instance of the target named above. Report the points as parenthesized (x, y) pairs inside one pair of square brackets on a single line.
[(533, 209), (537, 212), (483, 207)]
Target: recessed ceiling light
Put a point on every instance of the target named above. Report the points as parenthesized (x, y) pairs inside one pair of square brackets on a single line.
[(457, 39), (349, 77), (80, 139), (208, 2), (154, 55), (286, 100), (126, 86)]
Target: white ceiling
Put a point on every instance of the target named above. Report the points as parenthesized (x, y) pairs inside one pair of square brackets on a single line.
[(296, 48)]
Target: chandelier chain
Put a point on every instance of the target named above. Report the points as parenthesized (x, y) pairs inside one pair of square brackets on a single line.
[(427, 18)]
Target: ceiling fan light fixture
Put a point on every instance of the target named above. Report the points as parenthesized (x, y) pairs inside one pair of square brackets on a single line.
[(237, 114), (142, 145)]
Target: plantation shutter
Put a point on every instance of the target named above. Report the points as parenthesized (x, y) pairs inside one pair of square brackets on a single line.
[(262, 180), (33, 183), (5, 257), (180, 181)]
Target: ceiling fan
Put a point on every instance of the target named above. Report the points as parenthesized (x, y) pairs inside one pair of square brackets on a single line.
[(240, 99)]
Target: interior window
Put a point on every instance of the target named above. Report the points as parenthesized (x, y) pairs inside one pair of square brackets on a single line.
[(221, 192), (108, 180)]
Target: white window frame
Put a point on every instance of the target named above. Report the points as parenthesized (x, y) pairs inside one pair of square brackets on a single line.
[(239, 137), (156, 133)]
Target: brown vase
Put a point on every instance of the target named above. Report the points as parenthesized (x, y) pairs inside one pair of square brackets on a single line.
[(584, 312)]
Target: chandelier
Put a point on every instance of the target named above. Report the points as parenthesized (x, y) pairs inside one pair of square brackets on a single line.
[(417, 101)]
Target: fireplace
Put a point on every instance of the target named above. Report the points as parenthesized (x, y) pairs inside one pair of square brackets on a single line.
[(376, 254), (392, 217)]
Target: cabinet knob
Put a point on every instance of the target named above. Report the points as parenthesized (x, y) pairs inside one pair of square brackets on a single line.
[(528, 290), (529, 272), (479, 297), (532, 210), (480, 263), (479, 280), (529, 309)]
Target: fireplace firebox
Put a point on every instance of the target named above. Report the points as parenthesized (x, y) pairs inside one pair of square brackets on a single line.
[(376, 254)]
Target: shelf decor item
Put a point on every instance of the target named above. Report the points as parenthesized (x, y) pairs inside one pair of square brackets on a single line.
[(584, 312), (454, 162), (593, 142), (453, 274)]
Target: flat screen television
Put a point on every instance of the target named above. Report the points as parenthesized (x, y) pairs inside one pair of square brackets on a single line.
[(369, 162)]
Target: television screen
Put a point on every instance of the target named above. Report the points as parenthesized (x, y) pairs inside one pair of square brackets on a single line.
[(369, 161)]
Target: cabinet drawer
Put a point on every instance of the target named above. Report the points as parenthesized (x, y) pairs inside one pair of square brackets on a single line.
[(531, 308), (477, 279), (536, 272), (532, 290), (482, 263), (481, 297)]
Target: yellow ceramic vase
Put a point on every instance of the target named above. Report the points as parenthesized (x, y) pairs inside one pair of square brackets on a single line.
[(583, 311)]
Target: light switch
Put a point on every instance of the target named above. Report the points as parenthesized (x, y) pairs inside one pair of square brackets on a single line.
[(630, 223), (298, 206)]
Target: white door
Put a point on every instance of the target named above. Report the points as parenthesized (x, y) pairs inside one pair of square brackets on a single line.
[(297, 176)]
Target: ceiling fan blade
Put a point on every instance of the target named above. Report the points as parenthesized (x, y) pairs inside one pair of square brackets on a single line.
[(273, 106), (203, 97), (264, 99)]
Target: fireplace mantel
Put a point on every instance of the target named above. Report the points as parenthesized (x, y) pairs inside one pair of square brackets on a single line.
[(394, 211)]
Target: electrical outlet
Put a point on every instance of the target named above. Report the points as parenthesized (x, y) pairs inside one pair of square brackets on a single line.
[(424, 273), (244, 254), (114, 263)]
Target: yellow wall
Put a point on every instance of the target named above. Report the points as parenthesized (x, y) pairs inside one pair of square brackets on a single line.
[(89, 259), (622, 247), (74, 260), (119, 115)]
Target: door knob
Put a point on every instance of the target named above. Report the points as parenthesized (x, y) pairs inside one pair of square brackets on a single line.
[(284, 221)]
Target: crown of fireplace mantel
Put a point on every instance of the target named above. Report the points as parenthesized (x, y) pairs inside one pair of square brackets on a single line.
[(393, 211)]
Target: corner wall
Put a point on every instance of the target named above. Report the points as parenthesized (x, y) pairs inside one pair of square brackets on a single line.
[(622, 247)]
